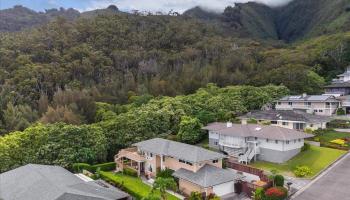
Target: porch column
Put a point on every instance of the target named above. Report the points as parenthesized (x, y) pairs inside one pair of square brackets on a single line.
[(138, 169), (161, 162)]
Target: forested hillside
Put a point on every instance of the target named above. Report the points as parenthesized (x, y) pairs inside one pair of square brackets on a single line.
[(118, 126), (114, 78)]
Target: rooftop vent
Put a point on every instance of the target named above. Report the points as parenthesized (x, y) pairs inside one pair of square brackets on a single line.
[(258, 128), (229, 124)]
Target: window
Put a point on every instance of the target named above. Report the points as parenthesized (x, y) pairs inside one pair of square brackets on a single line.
[(276, 141), (215, 161), (285, 123), (273, 122), (279, 103), (295, 141), (287, 142), (182, 161), (290, 103), (327, 103), (186, 162), (189, 163), (315, 110), (151, 155), (307, 104), (256, 138), (163, 158), (311, 125), (299, 140), (215, 143), (320, 110), (150, 168), (267, 140)]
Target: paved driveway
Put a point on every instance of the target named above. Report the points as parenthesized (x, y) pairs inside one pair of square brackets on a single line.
[(333, 184)]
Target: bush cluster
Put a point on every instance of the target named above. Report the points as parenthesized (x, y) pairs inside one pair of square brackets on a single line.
[(302, 171), (166, 173), (279, 180), (79, 167), (276, 193), (130, 172), (305, 147)]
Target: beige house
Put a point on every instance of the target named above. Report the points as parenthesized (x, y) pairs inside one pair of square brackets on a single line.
[(198, 169), (325, 105)]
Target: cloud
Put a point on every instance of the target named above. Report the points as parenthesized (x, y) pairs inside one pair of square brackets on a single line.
[(176, 5)]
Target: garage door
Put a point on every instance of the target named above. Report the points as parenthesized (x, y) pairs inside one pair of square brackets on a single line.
[(224, 188)]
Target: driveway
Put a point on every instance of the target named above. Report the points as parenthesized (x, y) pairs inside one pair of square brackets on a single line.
[(332, 184)]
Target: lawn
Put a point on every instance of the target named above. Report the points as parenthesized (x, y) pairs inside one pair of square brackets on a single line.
[(133, 185), (317, 158), (325, 136)]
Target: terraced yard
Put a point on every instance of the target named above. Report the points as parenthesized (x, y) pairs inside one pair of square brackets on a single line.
[(317, 158)]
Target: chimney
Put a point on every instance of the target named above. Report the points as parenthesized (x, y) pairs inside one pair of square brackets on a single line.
[(304, 95), (229, 124)]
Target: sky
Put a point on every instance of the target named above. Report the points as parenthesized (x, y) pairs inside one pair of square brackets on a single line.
[(129, 5)]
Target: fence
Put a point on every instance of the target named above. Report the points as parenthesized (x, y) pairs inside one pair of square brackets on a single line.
[(247, 169)]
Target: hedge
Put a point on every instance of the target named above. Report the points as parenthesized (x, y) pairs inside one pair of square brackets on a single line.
[(112, 180), (130, 172), (79, 167)]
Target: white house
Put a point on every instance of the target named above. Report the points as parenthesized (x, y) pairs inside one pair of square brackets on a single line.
[(291, 119), (325, 105), (258, 142)]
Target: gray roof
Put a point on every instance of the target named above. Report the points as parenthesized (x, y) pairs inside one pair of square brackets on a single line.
[(178, 150), (207, 176), (339, 85), (302, 98), (256, 130), (285, 115), (44, 182)]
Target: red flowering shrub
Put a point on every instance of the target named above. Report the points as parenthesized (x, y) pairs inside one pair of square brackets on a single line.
[(276, 193)]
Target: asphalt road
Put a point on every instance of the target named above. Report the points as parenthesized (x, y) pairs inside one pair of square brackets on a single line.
[(334, 184)]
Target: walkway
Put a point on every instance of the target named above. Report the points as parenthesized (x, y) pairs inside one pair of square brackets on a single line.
[(331, 184)]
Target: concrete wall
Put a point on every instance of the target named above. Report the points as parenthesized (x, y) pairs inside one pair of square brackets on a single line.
[(277, 156)]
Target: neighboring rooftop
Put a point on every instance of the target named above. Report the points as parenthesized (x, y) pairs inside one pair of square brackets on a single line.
[(256, 130), (305, 97), (207, 176), (44, 182), (178, 150), (286, 115), (339, 85)]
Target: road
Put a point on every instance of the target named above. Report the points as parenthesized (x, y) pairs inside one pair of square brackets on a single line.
[(333, 184)]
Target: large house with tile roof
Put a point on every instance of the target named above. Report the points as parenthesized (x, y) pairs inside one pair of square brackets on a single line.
[(325, 105), (197, 169), (253, 141), (291, 119)]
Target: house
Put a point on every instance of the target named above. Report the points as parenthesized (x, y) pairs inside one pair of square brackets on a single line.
[(44, 182), (314, 104), (197, 169), (253, 141), (291, 119), (340, 88)]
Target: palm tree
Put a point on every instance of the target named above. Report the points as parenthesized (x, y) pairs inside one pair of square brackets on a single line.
[(163, 184)]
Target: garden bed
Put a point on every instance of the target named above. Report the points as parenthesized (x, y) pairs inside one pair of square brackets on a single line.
[(325, 137), (132, 185), (316, 158)]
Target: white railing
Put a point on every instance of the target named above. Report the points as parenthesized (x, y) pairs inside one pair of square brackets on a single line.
[(232, 145)]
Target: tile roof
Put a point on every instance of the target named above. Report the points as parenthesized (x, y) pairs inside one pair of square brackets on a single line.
[(44, 182), (286, 115), (178, 150), (308, 98), (256, 130), (207, 176)]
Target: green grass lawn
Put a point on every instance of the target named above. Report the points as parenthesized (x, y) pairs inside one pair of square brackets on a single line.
[(325, 136), (317, 158), (132, 185)]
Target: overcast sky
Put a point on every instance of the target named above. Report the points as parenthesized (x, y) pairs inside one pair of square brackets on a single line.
[(128, 5)]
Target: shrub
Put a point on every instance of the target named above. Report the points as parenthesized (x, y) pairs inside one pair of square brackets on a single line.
[(252, 121), (308, 130), (110, 166), (79, 167), (338, 141), (130, 172), (338, 124), (259, 194), (276, 193), (279, 180), (340, 111), (166, 173), (302, 171), (305, 147), (195, 196)]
